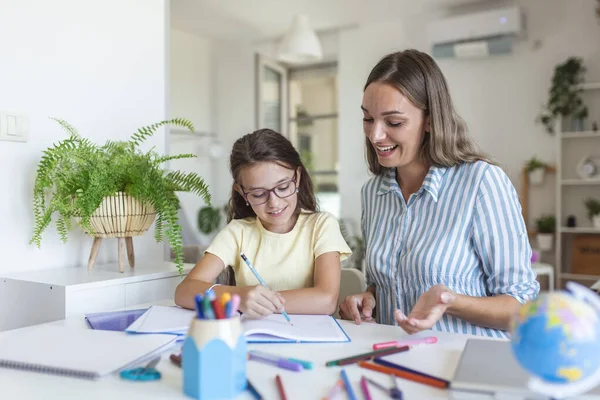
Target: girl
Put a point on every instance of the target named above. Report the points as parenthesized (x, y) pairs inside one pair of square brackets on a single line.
[(274, 222)]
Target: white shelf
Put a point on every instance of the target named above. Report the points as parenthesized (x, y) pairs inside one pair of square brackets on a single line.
[(580, 182), (580, 230), (590, 86), (580, 277), (580, 135)]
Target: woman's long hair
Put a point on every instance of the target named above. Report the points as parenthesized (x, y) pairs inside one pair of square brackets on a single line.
[(417, 76), (266, 145)]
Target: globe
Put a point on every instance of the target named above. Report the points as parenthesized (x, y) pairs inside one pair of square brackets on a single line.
[(556, 338)]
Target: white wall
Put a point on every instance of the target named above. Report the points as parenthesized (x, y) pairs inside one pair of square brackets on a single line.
[(191, 97), (498, 96), (100, 66)]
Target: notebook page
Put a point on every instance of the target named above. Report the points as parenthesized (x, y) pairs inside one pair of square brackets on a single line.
[(163, 319), (56, 349), (306, 328)]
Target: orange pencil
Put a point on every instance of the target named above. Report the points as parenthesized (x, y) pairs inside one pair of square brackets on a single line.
[(282, 395), (425, 380)]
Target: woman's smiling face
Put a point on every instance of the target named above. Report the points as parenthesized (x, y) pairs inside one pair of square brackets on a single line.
[(394, 126)]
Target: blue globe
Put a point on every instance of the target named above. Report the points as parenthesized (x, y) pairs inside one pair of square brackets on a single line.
[(556, 338)]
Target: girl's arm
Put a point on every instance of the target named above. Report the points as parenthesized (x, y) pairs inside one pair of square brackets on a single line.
[(255, 300), (322, 298)]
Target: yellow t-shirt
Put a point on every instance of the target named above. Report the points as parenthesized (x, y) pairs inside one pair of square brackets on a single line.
[(284, 260)]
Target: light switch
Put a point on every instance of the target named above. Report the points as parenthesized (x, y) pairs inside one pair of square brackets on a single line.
[(14, 126), (11, 125)]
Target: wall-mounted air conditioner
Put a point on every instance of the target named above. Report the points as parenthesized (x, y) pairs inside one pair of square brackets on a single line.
[(477, 34)]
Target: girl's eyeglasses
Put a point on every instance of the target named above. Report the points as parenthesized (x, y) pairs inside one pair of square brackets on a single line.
[(258, 197)]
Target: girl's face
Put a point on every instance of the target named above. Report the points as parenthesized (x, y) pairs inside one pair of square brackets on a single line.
[(271, 191), (394, 126)]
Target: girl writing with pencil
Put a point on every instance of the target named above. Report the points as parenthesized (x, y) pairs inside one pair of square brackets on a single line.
[(274, 222)]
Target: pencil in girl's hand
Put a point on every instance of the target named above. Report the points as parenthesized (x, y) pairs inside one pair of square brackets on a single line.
[(262, 282)]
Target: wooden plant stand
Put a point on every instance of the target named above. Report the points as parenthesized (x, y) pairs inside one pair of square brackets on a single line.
[(120, 216)]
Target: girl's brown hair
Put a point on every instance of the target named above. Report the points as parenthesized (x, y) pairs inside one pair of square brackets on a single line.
[(417, 76), (266, 145)]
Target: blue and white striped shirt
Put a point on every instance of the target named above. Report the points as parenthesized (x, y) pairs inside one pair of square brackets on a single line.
[(463, 229)]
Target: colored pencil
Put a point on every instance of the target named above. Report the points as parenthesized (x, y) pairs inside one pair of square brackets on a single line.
[(280, 388), (365, 388), (335, 389), (366, 356), (348, 385), (262, 282), (389, 364), (253, 390), (435, 382), (409, 342)]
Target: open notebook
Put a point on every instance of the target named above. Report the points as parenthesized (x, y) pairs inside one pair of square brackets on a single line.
[(272, 329), (80, 353)]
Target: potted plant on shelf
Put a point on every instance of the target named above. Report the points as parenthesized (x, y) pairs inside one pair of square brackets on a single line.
[(536, 170), (112, 191), (564, 96), (593, 208), (546, 226)]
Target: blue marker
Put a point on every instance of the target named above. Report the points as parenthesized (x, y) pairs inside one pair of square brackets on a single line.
[(287, 317), (199, 306)]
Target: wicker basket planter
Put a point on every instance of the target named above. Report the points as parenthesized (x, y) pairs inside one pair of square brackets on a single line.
[(120, 216)]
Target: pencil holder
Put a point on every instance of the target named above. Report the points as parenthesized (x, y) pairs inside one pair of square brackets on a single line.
[(214, 359)]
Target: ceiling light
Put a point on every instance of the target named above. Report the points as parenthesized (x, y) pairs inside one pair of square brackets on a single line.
[(301, 44)]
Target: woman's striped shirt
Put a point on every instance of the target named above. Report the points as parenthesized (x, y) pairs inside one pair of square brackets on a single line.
[(463, 228)]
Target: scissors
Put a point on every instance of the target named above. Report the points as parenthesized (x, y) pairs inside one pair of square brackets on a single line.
[(147, 373), (394, 392)]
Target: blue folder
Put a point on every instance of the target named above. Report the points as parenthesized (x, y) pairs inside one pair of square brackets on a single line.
[(113, 320)]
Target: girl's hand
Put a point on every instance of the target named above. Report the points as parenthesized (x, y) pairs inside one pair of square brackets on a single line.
[(358, 307), (258, 301), (430, 307)]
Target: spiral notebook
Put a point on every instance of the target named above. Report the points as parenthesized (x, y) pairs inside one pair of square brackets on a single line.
[(79, 353), (271, 329)]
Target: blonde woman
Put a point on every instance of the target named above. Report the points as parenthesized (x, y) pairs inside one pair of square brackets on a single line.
[(446, 244)]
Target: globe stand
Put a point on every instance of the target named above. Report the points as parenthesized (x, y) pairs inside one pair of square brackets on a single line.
[(565, 390)]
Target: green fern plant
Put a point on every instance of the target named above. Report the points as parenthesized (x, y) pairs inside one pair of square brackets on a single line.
[(75, 174)]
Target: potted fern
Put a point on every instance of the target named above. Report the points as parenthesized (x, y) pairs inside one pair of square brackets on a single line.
[(112, 191), (546, 225), (593, 208)]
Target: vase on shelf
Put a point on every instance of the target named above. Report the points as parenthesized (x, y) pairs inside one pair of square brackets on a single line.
[(545, 241), (596, 221)]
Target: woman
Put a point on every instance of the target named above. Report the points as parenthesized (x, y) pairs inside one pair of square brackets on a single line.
[(446, 244)]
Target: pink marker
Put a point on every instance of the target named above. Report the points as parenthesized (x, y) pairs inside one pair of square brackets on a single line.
[(365, 388), (235, 304), (411, 342)]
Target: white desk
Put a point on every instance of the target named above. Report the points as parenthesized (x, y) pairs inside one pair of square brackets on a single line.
[(438, 359)]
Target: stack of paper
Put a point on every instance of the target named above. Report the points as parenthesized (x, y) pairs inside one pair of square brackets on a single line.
[(161, 319)]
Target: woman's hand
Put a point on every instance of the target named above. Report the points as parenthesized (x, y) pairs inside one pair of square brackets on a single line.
[(358, 307), (430, 307), (258, 301)]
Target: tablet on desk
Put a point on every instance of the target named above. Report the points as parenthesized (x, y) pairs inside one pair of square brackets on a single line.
[(488, 370)]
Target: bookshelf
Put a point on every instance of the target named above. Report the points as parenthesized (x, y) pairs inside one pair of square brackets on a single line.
[(572, 190)]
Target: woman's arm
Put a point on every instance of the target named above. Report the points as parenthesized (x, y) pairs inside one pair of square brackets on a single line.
[(322, 298), (493, 312)]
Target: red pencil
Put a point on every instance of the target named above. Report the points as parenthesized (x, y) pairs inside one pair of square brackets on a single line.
[(411, 376), (280, 388)]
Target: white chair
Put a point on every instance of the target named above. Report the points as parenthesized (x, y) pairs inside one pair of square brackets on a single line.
[(545, 269), (353, 282)]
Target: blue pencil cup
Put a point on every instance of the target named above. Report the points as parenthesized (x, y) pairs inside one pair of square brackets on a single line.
[(214, 359)]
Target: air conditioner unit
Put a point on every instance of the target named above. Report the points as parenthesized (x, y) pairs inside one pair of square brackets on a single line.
[(477, 34)]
